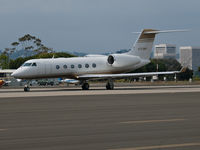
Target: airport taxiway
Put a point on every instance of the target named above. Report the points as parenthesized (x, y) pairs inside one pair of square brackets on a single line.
[(166, 119), (75, 91)]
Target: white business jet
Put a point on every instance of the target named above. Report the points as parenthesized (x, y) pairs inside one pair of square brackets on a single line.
[(94, 67)]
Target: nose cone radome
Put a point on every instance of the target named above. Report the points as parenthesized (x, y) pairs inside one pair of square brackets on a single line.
[(16, 74)]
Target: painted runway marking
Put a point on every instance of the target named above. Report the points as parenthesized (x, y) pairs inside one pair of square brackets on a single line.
[(3, 129), (152, 121), (160, 146)]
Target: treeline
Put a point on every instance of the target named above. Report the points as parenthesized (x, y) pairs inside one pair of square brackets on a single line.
[(29, 44)]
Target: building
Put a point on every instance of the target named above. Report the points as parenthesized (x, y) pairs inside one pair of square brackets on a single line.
[(165, 51), (6, 73), (190, 57)]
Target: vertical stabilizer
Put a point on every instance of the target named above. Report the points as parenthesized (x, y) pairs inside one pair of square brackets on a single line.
[(144, 44)]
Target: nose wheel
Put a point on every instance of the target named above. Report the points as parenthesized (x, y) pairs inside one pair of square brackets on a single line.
[(26, 88)]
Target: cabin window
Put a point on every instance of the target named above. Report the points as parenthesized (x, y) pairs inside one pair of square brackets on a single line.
[(34, 64), (65, 66), (94, 65), (27, 64), (57, 67), (72, 66), (79, 66), (86, 65)]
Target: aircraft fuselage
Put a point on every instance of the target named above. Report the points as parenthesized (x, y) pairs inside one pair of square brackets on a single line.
[(75, 66)]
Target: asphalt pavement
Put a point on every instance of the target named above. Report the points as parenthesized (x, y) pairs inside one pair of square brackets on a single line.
[(126, 121)]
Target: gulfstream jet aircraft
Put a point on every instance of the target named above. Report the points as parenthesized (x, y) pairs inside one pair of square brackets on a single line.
[(94, 67)]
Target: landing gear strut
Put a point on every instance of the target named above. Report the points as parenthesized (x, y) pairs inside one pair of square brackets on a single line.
[(85, 86), (110, 85)]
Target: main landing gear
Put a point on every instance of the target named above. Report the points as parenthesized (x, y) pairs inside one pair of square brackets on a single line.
[(85, 86), (110, 85)]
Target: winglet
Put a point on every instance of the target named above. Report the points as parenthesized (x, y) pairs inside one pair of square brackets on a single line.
[(183, 69)]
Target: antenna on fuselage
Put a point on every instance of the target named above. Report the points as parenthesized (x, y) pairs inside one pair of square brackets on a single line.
[(53, 57)]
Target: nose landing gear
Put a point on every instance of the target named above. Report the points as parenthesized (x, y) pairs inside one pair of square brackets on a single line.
[(27, 87)]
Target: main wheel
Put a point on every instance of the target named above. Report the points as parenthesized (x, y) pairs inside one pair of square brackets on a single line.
[(26, 89), (109, 86), (85, 86)]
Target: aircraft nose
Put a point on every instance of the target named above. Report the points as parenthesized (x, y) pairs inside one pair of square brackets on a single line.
[(16, 74), (13, 74)]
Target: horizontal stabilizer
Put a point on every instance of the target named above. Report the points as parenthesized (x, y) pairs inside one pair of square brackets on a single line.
[(163, 31)]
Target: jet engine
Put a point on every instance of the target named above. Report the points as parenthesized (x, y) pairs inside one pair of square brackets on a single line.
[(122, 60)]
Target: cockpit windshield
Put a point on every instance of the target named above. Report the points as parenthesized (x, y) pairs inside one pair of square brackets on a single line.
[(34, 64), (27, 64)]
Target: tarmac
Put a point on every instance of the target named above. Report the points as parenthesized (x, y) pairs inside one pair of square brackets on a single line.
[(127, 118), (76, 90)]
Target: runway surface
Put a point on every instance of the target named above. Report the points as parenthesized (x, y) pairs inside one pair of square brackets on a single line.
[(134, 121), (75, 91)]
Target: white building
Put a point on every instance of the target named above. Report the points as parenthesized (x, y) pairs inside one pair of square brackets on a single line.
[(190, 57), (165, 51), (6, 72)]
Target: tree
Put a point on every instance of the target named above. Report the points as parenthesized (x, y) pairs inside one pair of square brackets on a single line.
[(4, 61), (27, 43), (15, 44), (30, 43), (199, 69), (7, 52), (152, 66), (14, 64), (185, 75)]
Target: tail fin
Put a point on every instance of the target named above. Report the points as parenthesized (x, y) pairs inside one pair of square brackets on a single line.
[(144, 44)]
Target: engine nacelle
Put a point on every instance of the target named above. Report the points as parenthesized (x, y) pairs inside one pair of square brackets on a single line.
[(122, 60)]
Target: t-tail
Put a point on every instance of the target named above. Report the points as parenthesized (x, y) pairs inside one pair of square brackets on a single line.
[(143, 45)]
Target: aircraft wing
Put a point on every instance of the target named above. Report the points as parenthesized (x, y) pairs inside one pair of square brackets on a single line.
[(125, 75)]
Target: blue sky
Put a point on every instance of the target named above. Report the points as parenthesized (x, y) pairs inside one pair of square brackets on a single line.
[(98, 26)]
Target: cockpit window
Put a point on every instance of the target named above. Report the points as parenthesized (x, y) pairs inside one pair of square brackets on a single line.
[(27, 64), (34, 64)]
